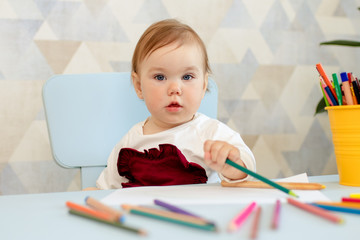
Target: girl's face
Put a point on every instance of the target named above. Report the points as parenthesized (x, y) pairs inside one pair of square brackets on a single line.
[(172, 82)]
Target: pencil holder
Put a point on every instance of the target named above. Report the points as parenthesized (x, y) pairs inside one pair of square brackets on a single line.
[(345, 128)]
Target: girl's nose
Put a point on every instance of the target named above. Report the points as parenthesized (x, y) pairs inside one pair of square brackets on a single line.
[(174, 88)]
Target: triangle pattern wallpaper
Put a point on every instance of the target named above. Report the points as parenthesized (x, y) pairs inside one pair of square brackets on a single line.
[(262, 54)]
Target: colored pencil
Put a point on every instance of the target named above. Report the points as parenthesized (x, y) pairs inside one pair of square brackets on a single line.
[(276, 215), (341, 204), (170, 217), (338, 208), (316, 211), (90, 211), (240, 218), (289, 185), (176, 209), (259, 177), (256, 223), (113, 223), (322, 73), (173, 208), (92, 202), (353, 200), (355, 195)]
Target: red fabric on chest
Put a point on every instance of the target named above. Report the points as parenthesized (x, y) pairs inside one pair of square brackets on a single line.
[(158, 167)]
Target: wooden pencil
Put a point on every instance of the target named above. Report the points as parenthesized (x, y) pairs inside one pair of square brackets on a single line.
[(261, 178), (109, 222), (89, 211), (170, 217), (340, 204), (255, 225), (316, 211), (289, 185), (276, 215), (92, 202)]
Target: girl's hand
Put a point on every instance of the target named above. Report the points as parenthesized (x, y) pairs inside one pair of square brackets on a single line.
[(216, 153)]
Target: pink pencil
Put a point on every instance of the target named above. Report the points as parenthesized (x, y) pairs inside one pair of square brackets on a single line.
[(239, 219), (276, 216)]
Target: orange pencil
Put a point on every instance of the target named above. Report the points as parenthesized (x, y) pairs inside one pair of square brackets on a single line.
[(341, 204), (326, 79), (90, 211), (316, 210)]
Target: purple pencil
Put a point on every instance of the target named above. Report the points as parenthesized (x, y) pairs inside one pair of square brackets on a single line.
[(276, 216), (173, 208)]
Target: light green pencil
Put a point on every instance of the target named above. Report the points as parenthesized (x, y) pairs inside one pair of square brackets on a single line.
[(261, 178)]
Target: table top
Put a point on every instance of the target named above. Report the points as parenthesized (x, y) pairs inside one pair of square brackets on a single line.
[(45, 216)]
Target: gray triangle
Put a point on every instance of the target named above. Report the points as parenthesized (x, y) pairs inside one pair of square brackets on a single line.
[(237, 17), (44, 176), (339, 12), (311, 102), (45, 6), (121, 66), (10, 183), (313, 154), (151, 11)]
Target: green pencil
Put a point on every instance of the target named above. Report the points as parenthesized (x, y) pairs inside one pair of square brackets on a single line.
[(208, 227), (113, 223), (261, 178)]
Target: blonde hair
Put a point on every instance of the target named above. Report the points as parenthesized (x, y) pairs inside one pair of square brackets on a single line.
[(163, 33)]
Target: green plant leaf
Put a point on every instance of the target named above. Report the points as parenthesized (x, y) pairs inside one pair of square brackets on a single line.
[(320, 108), (348, 43)]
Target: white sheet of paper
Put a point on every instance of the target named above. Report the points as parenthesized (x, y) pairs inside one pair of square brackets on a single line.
[(208, 194)]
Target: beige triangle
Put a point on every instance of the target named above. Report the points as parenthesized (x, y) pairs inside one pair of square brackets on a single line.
[(83, 61), (250, 93), (230, 51), (34, 146), (205, 23), (75, 184), (21, 104), (265, 159), (95, 6), (45, 33), (6, 11), (58, 53)]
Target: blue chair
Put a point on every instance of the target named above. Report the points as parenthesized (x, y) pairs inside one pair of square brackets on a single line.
[(87, 114)]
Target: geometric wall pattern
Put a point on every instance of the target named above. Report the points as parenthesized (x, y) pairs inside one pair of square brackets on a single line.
[(262, 54)]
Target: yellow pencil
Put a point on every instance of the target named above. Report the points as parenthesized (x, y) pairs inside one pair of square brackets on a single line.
[(289, 185), (355, 195)]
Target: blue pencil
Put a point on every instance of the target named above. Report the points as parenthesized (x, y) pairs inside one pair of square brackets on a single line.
[(337, 208)]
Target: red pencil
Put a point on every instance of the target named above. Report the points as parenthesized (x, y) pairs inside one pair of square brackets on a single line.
[(316, 210)]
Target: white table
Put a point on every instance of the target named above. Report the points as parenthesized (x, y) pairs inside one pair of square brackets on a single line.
[(45, 216)]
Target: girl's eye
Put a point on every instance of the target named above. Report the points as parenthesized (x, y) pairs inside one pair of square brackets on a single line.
[(187, 77), (160, 77)]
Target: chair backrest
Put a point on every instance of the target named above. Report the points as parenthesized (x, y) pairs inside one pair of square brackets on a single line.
[(87, 114)]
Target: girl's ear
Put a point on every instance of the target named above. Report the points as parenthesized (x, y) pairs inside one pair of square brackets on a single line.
[(137, 84), (206, 81)]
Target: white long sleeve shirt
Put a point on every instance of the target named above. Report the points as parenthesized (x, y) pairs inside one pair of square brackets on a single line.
[(189, 138)]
